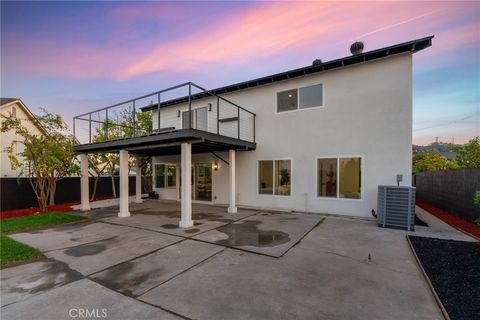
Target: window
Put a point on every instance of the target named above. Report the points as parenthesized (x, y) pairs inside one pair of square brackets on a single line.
[(265, 176), (327, 178), (274, 177), (311, 96), (199, 119), (165, 176), (302, 98), (186, 120), (14, 112), (350, 178), (287, 100), (339, 178)]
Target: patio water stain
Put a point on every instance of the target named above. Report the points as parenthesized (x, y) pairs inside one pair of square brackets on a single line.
[(246, 233), (211, 217), (125, 279), (86, 250), (192, 230), (169, 226), (51, 274)]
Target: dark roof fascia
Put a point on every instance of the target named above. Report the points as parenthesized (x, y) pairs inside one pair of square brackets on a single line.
[(409, 46), (183, 135)]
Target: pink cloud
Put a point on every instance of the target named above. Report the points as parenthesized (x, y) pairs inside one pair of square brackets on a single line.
[(290, 30), (271, 28)]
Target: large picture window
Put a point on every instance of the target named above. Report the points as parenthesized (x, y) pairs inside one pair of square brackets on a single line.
[(301, 98), (274, 177), (339, 177), (165, 175)]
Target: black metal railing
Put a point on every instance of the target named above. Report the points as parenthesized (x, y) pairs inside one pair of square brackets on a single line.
[(185, 106)]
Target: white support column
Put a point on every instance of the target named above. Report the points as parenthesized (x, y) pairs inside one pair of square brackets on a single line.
[(186, 219), (231, 159), (84, 192), (177, 179), (124, 184), (138, 181)]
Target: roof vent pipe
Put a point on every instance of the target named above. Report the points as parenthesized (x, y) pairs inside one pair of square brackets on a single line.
[(356, 47), (316, 62)]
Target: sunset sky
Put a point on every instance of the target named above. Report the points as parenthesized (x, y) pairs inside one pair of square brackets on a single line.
[(74, 57)]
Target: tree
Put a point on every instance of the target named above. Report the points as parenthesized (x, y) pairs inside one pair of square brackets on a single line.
[(95, 163), (431, 161), (468, 155), (111, 129), (105, 162), (46, 158)]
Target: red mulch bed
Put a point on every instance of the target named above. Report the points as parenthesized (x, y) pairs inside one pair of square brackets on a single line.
[(64, 207), (456, 222)]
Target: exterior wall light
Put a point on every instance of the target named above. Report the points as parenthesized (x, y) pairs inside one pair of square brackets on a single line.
[(215, 166), (179, 113)]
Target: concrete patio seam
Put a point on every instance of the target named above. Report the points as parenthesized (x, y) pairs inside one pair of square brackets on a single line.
[(135, 298), (302, 237), (237, 248), (164, 309), (136, 257), (171, 234), (181, 273)]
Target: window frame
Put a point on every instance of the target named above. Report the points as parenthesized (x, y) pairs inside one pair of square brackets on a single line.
[(298, 98), (337, 197), (273, 168), (166, 164), (194, 118)]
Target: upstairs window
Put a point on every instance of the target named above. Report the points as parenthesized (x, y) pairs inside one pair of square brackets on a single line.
[(301, 98), (287, 100)]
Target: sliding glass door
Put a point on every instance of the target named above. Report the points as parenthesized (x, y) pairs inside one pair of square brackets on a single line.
[(201, 182)]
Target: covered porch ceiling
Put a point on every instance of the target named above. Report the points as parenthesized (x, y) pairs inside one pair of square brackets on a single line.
[(168, 143)]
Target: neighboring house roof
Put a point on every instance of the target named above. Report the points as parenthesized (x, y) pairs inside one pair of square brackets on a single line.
[(410, 46), (4, 102), (7, 100)]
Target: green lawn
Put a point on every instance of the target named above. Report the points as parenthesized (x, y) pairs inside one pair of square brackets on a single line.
[(35, 221), (14, 251)]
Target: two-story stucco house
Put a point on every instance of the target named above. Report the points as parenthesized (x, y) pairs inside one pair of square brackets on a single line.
[(318, 139)]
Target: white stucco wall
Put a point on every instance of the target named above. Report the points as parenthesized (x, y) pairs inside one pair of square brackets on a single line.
[(367, 113), (6, 138)]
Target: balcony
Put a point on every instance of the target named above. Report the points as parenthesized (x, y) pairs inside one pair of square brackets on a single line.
[(158, 123)]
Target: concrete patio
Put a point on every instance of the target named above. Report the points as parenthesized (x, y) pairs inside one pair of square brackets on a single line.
[(247, 265)]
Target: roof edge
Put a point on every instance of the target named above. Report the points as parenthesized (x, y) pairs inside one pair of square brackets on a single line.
[(411, 46)]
